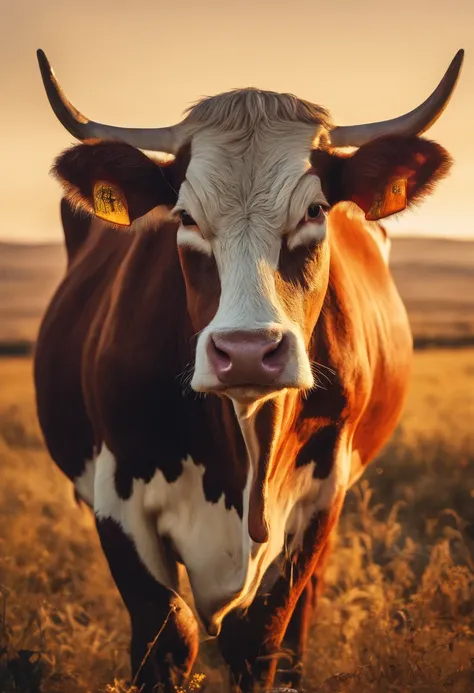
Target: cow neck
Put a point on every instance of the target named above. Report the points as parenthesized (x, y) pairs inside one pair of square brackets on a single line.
[(261, 428)]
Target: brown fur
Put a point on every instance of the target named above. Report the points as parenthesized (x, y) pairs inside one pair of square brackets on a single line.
[(359, 176), (146, 184)]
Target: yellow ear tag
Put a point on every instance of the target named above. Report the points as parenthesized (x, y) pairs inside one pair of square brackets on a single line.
[(110, 203), (392, 200)]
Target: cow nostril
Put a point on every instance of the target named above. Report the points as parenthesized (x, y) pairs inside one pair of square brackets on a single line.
[(271, 355), (222, 356), (275, 352)]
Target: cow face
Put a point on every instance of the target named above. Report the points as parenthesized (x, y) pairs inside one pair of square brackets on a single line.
[(252, 203), (253, 246)]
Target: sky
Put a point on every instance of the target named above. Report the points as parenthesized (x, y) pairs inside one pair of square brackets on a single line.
[(142, 63)]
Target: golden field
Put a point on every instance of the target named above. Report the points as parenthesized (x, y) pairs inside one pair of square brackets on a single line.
[(398, 611)]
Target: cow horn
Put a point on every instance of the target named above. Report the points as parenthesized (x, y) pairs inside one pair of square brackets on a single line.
[(413, 123), (166, 140)]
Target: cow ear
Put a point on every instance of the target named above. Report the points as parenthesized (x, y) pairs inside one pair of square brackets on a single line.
[(391, 173), (114, 181)]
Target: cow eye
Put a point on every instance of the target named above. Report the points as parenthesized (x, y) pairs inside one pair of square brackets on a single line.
[(186, 219), (315, 213)]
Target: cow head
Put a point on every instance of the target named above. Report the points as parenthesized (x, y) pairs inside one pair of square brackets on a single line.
[(251, 187)]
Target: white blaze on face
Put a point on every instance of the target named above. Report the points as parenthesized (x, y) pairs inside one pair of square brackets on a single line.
[(245, 196)]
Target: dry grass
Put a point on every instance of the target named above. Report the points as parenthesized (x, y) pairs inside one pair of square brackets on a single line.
[(398, 612)]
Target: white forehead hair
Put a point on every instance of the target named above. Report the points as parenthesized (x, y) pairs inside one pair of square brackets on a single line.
[(241, 110), (249, 150)]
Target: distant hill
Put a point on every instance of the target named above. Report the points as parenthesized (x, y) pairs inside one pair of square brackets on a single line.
[(435, 278), (28, 276)]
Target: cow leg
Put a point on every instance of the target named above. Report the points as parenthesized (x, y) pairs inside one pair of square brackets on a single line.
[(164, 631), (297, 632), (251, 642)]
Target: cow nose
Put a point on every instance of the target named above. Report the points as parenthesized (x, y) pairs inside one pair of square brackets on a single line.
[(248, 358)]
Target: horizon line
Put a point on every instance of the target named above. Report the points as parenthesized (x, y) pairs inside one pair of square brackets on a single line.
[(391, 236)]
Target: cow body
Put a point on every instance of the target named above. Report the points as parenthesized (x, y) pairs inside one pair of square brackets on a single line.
[(172, 469), (214, 379)]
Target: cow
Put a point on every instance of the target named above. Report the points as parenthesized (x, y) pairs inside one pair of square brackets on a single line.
[(225, 354)]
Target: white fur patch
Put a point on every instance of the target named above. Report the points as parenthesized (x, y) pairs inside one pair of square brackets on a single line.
[(131, 517), (209, 538), (224, 566), (308, 233), (193, 240)]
